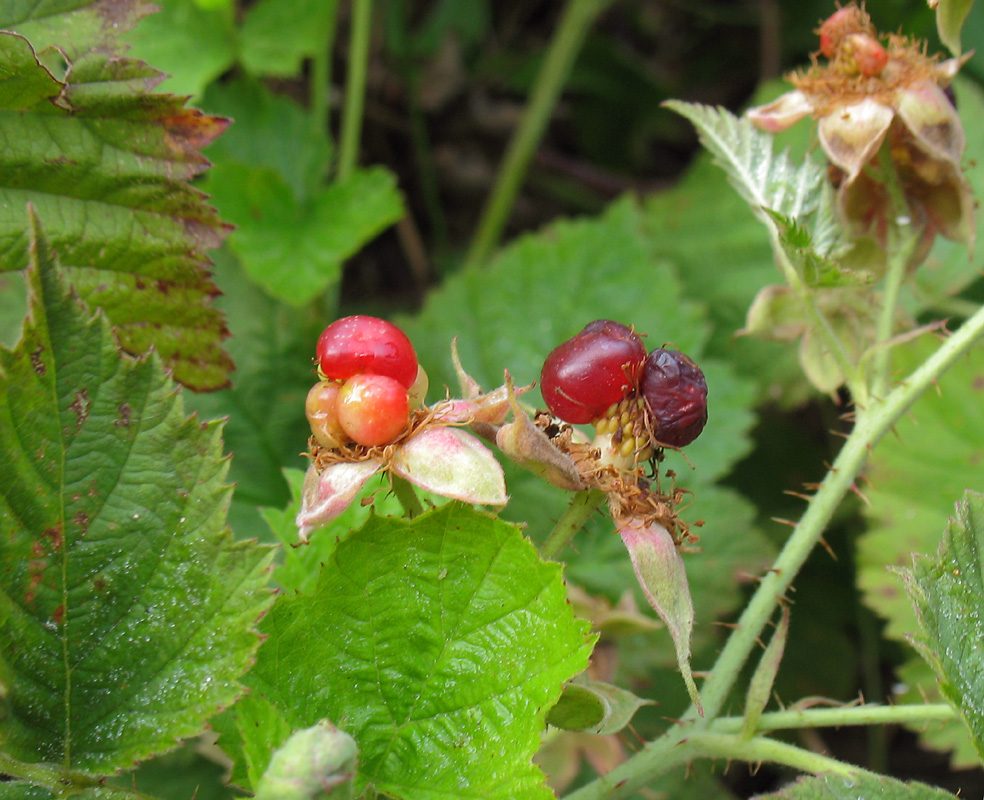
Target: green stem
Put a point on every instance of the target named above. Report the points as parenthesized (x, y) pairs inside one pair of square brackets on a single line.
[(355, 88), (407, 497), (582, 506), (760, 750), (578, 16), (321, 77), (872, 424), (664, 754), (839, 717)]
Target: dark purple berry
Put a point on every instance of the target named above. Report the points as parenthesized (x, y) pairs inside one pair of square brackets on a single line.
[(675, 392)]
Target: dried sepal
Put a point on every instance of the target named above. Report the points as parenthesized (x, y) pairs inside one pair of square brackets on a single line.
[(527, 445), (327, 493), (659, 569)]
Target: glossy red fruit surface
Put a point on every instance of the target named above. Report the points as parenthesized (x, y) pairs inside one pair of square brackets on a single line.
[(373, 409), (360, 344), (675, 392), (583, 376)]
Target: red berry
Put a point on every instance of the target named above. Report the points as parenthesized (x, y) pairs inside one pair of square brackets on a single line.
[(321, 408), (869, 56), (373, 409), (838, 25), (675, 392), (355, 345), (583, 376)]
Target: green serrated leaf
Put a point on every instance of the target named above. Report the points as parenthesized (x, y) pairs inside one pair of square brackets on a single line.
[(439, 644), (817, 270), (74, 26), (948, 593), (24, 82), (863, 784), (950, 16), (276, 36), (912, 479), (767, 182), (296, 250), (107, 166), (132, 610)]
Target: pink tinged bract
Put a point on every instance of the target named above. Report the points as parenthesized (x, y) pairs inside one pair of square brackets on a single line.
[(781, 113), (452, 463), (851, 135), (326, 495), (660, 572)]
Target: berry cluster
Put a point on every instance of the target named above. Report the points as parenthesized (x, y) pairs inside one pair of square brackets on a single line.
[(604, 376), (370, 379)]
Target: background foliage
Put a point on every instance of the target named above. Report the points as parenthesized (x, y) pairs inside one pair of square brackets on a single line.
[(613, 221)]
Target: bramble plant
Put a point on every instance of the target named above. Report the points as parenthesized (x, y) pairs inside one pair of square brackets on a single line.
[(524, 507)]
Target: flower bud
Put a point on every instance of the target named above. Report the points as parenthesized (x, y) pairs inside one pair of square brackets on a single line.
[(315, 763)]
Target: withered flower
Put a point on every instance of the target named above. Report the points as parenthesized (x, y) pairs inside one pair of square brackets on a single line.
[(876, 91)]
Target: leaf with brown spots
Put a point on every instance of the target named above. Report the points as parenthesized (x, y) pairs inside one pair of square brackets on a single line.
[(127, 610), (107, 164)]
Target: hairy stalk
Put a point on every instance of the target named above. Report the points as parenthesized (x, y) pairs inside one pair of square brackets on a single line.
[(582, 506), (355, 88), (839, 717), (760, 749), (873, 423), (577, 19), (682, 747)]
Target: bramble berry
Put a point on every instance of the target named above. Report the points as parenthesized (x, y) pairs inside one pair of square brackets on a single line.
[(360, 344), (869, 56), (583, 376), (841, 23), (373, 409), (675, 392), (321, 408)]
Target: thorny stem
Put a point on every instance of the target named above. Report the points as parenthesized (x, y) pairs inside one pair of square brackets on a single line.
[(355, 88), (873, 423), (664, 754), (582, 506), (577, 18), (842, 716), (407, 497)]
